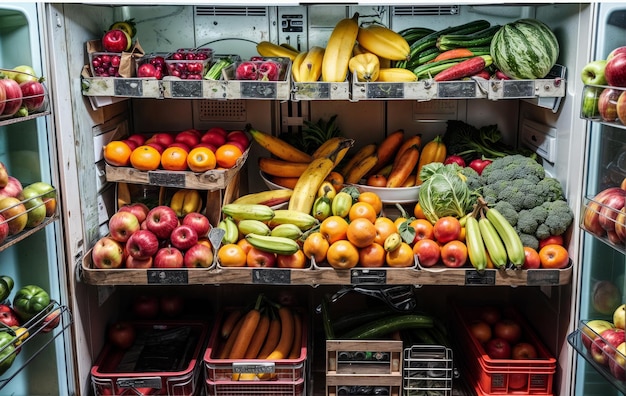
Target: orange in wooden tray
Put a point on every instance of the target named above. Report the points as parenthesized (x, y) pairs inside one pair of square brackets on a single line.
[(145, 158), (401, 257), (334, 228), (201, 159), (342, 255), (316, 246), (373, 199), (227, 155), (361, 232), (117, 153), (372, 256), (362, 210), (384, 227), (174, 159), (231, 255)]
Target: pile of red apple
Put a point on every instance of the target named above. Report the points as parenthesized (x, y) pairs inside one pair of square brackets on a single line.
[(105, 64), (605, 341), (153, 66), (258, 68), (140, 237), (607, 103), (189, 64), (605, 214), (21, 92)]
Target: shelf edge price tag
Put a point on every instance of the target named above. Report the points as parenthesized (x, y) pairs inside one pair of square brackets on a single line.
[(187, 89), (543, 277), (484, 278), (255, 368), (169, 179), (128, 87), (273, 276), (368, 276), (168, 276)]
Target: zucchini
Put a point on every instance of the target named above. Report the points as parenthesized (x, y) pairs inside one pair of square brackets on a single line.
[(430, 40), (413, 34), (380, 327), (479, 39), (349, 322), (431, 69), (423, 57)]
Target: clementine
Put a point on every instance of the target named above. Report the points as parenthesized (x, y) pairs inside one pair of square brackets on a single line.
[(342, 255), (201, 159), (384, 227), (361, 232), (362, 210), (231, 255), (400, 257), (372, 255), (174, 158), (373, 199), (334, 228), (117, 153), (145, 158), (315, 247), (227, 155), (418, 212)]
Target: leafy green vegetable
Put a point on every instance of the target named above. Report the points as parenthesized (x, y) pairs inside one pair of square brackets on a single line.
[(444, 192)]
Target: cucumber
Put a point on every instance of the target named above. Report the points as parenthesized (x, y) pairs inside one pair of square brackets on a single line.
[(380, 327), (430, 40), (423, 57), (478, 39), (431, 69), (349, 322), (413, 34)]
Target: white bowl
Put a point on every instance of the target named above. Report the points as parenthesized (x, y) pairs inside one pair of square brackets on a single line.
[(269, 184), (399, 195)]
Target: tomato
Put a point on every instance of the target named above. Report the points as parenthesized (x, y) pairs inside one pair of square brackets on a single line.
[(507, 329), (376, 181), (480, 330), (551, 240)]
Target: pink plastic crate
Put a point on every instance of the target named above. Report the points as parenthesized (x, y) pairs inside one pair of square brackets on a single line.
[(241, 388)]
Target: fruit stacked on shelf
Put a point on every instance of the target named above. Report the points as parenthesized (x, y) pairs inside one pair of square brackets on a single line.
[(188, 150), (189, 64), (605, 103), (173, 236), (604, 341), (605, 215), (116, 40), (21, 92)]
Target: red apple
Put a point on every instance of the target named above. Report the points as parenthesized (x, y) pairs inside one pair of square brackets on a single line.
[(107, 253), (615, 70), (607, 104), (198, 256), (237, 144), (551, 240), (51, 321), (207, 145), (296, 260), (137, 138), (187, 137), (507, 329), (213, 138), (4, 229), (497, 348), (12, 189), (181, 145), (531, 259), (158, 147), (617, 365), (454, 254), (490, 314), (480, 330), (621, 107), (33, 95), (524, 350), (139, 209), (219, 130), (603, 346), (146, 70), (238, 136), (122, 225), (428, 252), (146, 306), (199, 222), (592, 329), (122, 334), (162, 138), (171, 305), (131, 144), (168, 257), (116, 40), (13, 96), (8, 316), (183, 237), (162, 220), (142, 244), (615, 51), (138, 263), (260, 258)]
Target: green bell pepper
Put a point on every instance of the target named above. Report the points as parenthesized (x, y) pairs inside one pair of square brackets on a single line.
[(7, 351), (6, 285), (29, 301)]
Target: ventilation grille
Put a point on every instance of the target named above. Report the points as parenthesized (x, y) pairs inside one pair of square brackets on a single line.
[(426, 10), (230, 11), (224, 110)]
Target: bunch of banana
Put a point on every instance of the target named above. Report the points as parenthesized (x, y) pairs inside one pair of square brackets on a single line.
[(383, 42), (307, 66), (339, 49), (268, 198), (231, 231), (355, 173), (269, 49), (185, 201)]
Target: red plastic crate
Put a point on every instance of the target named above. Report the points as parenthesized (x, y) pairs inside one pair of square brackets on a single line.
[(505, 376), (256, 388), (222, 370), (128, 372)]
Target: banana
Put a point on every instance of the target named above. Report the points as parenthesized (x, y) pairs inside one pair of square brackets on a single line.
[(339, 49), (258, 227), (364, 66), (282, 168), (273, 244), (295, 66), (361, 153), (510, 238), (231, 232), (392, 242), (266, 48), (287, 230), (268, 198), (289, 47), (304, 221), (248, 211), (278, 147), (493, 243), (311, 65), (475, 245), (322, 208), (395, 74), (341, 204), (186, 201), (383, 42), (326, 190), (326, 148), (360, 169)]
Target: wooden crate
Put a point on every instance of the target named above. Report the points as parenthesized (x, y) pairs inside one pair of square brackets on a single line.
[(364, 357)]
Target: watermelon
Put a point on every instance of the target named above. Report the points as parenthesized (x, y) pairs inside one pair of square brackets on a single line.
[(524, 49)]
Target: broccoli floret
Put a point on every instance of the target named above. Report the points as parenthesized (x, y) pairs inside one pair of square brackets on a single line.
[(473, 179), (529, 240), (513, 167), (521, 193), (550, 189), (507, 211), (530, 219), (559, 217), (491, 192), (543, 231)]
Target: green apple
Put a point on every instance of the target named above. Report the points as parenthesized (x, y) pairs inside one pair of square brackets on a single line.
[(36, 211), (44, 191), (590, 102), (23, 73), (593, 73)]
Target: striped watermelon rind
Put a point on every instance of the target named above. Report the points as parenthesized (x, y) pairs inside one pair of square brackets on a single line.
[(524, 49)]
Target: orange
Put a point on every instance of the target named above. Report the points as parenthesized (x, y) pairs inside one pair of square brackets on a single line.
[(227, 155), (174, 158), (201, 159), (423, 229), (372, 256), (362, 210), (418, 212), (384, 227), (334, 228), (336, 179), (373, 199), (244, 244), (398, 221), (342, 255), (117, 153), (315, 247), (361, 232), (401, 257), (231, 255), (145, 158), (553, 256)]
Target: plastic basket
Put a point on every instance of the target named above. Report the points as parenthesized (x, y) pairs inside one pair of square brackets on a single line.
[(253, 388)]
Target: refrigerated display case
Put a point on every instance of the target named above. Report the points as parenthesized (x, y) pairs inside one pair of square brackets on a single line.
[(85, 115)]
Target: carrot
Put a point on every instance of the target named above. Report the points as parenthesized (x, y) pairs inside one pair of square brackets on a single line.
[(271, 340), (245, 334), (405, 166), (230, 341), (387, 149), (297, 337), (408, 142), (229, 322), (465, 68), (453, 54), (258, 338)]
